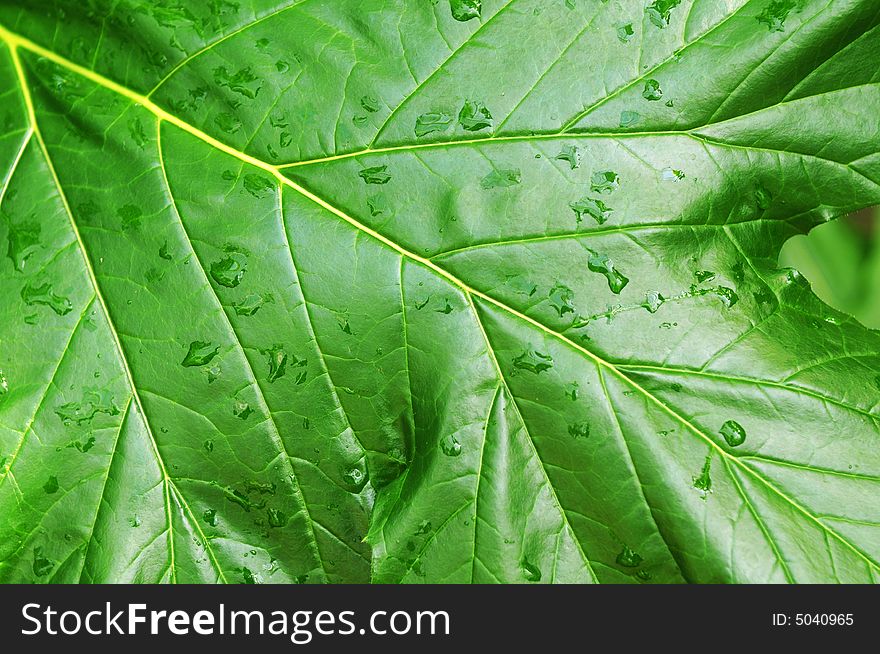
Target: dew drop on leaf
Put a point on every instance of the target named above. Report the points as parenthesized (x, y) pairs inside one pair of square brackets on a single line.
[(775, 13), (733, 433), (703, 482), (604, 181), (434, 121), (229, 270), (571, 154), (43, 295), (501, 178), (375, 175), (600, 263), (561, 298), (252, 303), (369, 103), (51, 485), (671, 175), (210, 517), (464, 10), (450, 446), (24, 238), (533, 361), (592, 207), (530, 571), (659, 11), (652, 90), (474, 116), (42, 565), (653, 301), (199, 353), (579, 430), (629, 118), (625, 32), (628, 558), (277, 362), (242, 410)]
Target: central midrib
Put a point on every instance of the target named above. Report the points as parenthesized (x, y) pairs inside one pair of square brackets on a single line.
[(15, 41)]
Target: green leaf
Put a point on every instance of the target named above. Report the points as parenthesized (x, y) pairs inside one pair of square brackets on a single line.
[(269, 316)]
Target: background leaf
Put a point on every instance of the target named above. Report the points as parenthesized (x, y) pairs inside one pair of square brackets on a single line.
[(261, 325)]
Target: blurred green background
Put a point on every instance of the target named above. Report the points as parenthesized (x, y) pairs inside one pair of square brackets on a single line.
[(842, 261)]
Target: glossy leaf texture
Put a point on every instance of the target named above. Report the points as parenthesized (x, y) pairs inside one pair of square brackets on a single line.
[(433, 291)]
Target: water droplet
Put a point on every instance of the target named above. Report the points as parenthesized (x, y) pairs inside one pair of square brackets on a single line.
[(433, 121), (625, 32), (4, 384), (136, 130), (248, 576), (533, 361), (571, 391), (51, 485), (501, 178), (240, 82), (252, 303), (277, 362), (464, 10), (600, 263), (704, 481), (227, 122), (42, 565), (369, 103), (733, 433), (628, 558), (43, 295), (592, 207), (604, 181), (210, 517), (24, 238), (579, 430), (275, 517), (652, 90), (83, 412), (571, 154), (375, 175), (659, 11), (450, 446), (79, 446), (521, 285), (199, 353), (474, 116), (355, 478), (653, 301), (282, 66), (671, 175), (258, 185), (561, 299), (763, 198), (629, 118), (704, 276), (134, 522), (447, 307), (378, 204), (208, 445), (727, 295), (424, 528), (360, 120), (242, 410), (344, 325), (775, 13), (229, 270), (530, 571), (163, 252)]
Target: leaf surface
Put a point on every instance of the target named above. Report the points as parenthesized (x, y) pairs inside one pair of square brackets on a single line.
[(433, 291)]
